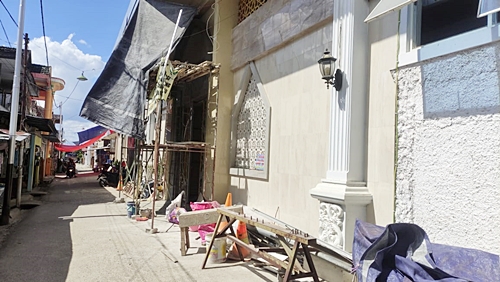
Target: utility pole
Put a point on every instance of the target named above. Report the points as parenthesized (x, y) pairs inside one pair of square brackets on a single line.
[(24, 102), (24, 87), (14, 108)]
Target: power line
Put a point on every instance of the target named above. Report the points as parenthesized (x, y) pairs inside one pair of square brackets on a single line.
[(8, 13), (70, 94), (6, 36), (68, 97), (62, 61), (44, 36)]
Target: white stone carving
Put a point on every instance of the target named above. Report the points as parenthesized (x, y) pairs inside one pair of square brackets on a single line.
[(331, 222)]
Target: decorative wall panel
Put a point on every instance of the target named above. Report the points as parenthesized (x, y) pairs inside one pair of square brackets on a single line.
[(251, 130)]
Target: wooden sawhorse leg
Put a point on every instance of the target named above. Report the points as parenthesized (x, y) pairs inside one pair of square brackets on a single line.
[(218, 234), (291, 262), (184, 240)]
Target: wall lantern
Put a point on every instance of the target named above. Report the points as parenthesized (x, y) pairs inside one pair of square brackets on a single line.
[(326, 67)]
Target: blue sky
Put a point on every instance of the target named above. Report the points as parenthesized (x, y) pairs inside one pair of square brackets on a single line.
[(80, 37)]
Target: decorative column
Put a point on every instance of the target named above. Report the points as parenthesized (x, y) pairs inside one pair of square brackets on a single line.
[(343, 194)]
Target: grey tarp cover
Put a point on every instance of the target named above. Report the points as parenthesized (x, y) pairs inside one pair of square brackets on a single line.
[(403, 252), (116, 101)]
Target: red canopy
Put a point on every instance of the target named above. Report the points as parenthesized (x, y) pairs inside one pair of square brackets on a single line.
[(73, 148)]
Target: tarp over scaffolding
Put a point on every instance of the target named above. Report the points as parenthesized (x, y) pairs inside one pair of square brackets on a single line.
[(117, 99)]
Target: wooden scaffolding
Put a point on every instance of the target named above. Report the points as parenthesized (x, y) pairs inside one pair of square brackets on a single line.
[(175, 159)]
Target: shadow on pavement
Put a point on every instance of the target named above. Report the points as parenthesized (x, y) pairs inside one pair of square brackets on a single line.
[(39, 248)]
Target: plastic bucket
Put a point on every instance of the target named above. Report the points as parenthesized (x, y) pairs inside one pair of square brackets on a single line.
[(218, 251), (130, 208)]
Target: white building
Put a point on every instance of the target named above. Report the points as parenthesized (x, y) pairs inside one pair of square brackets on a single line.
[(433, 83)]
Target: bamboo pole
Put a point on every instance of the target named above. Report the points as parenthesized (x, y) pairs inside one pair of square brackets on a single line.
[(157, 130)]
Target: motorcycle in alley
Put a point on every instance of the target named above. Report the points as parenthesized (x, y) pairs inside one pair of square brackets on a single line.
[(108, 178), (71, 172)]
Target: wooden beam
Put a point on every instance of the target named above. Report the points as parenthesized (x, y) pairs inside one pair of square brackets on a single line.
[(194, 218), (274, 228)]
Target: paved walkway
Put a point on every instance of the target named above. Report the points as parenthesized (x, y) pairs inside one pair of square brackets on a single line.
[(79, 234)]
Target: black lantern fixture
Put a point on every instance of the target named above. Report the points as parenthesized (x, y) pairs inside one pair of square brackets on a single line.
[(82, 77), (326, 67)]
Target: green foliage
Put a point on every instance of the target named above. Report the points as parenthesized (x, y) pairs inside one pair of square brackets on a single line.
[(79, 154)]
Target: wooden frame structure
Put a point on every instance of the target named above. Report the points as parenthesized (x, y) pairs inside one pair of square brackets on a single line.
[(293, 269), (186, 73)]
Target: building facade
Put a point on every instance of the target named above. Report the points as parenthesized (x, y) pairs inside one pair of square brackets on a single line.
[(412, 136)]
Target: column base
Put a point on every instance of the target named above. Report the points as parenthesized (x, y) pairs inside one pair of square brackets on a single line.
[(340, 206)]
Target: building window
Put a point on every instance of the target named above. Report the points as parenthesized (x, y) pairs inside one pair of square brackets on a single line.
[(433, 28), (440, 19), (250, 128)]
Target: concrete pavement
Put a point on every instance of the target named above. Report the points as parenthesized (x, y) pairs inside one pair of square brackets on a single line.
[(79, 234)]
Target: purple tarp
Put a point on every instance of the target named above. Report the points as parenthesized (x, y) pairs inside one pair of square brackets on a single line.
[(403, 252)]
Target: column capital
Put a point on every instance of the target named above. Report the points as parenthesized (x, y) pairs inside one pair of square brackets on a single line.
[(345, 195)]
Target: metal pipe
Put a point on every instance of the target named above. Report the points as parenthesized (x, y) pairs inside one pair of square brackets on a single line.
[(14, 108)]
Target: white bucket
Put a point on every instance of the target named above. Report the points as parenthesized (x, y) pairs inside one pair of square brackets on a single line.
[(218, 252)]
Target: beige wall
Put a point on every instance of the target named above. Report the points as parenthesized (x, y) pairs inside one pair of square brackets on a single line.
[(381, 119), (228, 11), (299, 132)]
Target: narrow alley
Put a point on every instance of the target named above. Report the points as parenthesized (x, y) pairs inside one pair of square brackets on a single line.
[(80, 234)]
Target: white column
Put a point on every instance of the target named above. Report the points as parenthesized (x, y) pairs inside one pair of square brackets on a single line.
[(343, 194)]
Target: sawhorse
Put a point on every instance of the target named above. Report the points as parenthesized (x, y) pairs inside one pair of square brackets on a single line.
[(292, 268)]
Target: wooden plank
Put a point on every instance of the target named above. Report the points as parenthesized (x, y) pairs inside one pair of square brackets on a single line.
[(310, 263), (292, 259), (269, 258), (184, 246), (276, 229), (194, 218), (288, 251), (211, 242)]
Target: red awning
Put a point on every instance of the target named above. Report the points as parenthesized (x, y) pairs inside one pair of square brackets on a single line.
[(73, 148)]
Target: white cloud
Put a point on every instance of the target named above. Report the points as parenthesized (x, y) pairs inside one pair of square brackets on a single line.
[(68, 62), (83, 42), (72, 127)]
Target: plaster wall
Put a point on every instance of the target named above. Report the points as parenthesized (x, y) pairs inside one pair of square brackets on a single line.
[(299, 132), (448, 178), (381, 119), (226, 18)]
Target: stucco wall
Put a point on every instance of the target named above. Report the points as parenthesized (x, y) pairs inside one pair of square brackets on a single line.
[(448, 178), (299, 132)]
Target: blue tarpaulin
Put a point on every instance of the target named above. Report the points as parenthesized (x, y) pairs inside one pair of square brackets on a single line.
[(117, 99), (403, 252), (90, 133)]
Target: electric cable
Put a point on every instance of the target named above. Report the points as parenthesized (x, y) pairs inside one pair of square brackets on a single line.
[(68, 97), (69, 94), (8, 12), (201, 31), (62, 61), (5, 32), (44, 36)]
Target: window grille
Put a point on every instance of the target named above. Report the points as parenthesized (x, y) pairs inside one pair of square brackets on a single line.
[(247, 7), (251, 130)]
